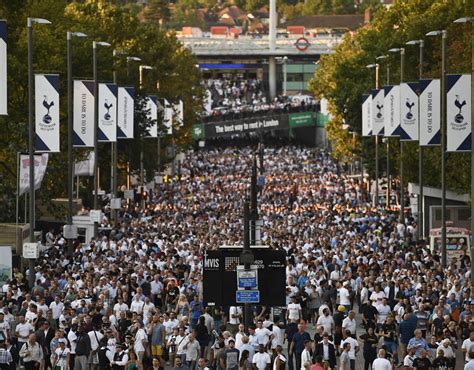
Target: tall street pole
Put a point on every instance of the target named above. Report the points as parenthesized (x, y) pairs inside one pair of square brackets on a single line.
[(386, 140), (71, 234), (96, 127), (376, 134), (466, 20), (31, 138), (402, 185), (420, 228), (443, 35)]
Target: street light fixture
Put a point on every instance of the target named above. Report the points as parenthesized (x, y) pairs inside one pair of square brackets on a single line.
[(96, 124), (443, 35), (402, 195), (31, 138), (71, 234), (467, 20)]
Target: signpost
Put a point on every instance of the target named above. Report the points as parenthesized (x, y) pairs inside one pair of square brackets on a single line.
[(30, 250), (247, 296), (247, 279)]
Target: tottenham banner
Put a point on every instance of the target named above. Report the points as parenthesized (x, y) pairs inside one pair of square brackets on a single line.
[(3, 68), (391, 107), (458, 113), (366, 115), (168, 118), (47, 113), (179, 111), (83, 134), (377, 112), (41, 162), (107, 125), (409, 111), (125, 112), (430, 112), (152, 108)]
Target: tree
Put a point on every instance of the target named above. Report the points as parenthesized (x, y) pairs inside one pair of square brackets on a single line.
[(342, 77)]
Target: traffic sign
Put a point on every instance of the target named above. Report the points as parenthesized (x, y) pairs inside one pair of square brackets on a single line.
[(247, 296), (95, 215), (128, 194), (30, 250), (247, 279)]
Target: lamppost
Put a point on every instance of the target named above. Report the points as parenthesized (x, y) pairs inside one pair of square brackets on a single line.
[(402, 195), (443, 35), (376, 202), (466, 20), (31, 136), (70, 234), (386, 140), (284, 61), (96, 127), (420, 228), (141, 68)]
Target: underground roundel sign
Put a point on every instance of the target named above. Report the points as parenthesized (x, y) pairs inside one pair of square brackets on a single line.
[(302, 44)]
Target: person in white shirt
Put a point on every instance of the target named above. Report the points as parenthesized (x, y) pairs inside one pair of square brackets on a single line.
[(277, 336), (326, 321), (293, 310), (57, 307), (468, 346), (140, 339), (381, 363), (263, 334), (383, 310), (95, 336), (377, 295), (261, 359), (306, 354), (23, 330), (120, 306), (239, 335), (344, 296), (353, 349), (137, 305), (349, 323), (235, 315)]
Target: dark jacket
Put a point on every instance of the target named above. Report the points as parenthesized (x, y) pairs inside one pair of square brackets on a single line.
[(83, 345), (320, 352)]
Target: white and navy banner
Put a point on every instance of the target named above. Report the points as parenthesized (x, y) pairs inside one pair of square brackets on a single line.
[(41, 163), (125, 113), (366, 115), (168, 118), (391, 107), (409, 111), (430, 112), (377, 112), (458, 113), (179, 112), (152, 108), (47, 113), (85, 167), (83, 117), (3, 68), (107, 125)]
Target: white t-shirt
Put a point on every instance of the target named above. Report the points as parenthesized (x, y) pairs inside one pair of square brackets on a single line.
[(262, 335), (234, 310), (294, 311), (353, 344), (261, 360), (349, 324), (381, 364), (95, 337), (383, 313), (468, 345), (327, 322), (23, 331), (344, 297), (140, 336), (62, 356), (377, 297)]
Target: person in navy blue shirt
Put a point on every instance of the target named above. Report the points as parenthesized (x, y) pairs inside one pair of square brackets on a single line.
[(297, 344)]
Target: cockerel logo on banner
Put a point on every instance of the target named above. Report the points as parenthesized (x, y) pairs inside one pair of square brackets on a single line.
[(107, 125), (458, 113), (47, 113)]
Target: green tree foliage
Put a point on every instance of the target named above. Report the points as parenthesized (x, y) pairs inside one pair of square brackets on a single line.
[(174, 68), (342, 78)]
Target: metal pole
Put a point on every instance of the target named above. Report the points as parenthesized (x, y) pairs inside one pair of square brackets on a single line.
[(246, 248), (284, 76), (443, 147), (253, 201), (31, 148), (70, 159), (140, 76), (388, 174), (17, 214), (420, 228), (96, 123), (114, 154), (402, 195), (472, 148), (376, 203)]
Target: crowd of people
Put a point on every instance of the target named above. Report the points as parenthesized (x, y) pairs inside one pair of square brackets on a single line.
[(356, 281), (241, 98)]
